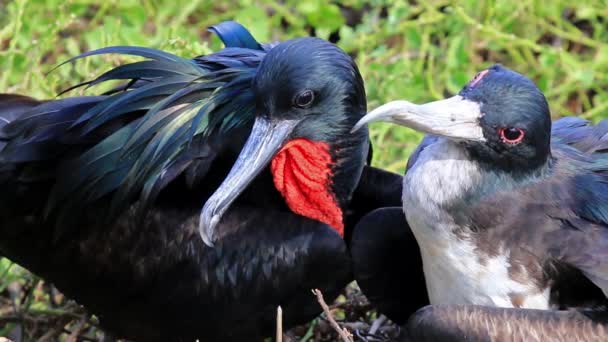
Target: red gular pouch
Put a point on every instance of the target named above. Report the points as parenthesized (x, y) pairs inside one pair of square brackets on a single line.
[(302, 174)]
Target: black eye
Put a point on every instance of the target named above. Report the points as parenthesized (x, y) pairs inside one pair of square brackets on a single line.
[(511, 135), (304, 99)]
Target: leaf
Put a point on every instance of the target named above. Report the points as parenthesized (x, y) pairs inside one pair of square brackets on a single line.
[(322, 15)]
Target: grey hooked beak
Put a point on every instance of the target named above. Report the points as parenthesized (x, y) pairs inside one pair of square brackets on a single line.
[(266, 138), (454, 117)]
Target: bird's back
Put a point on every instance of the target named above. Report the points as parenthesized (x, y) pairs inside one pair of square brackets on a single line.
[(170, 123), (581, 134)]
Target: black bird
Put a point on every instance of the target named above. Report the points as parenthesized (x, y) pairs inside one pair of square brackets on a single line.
[(102, 195), (387, 264), (510, 214)]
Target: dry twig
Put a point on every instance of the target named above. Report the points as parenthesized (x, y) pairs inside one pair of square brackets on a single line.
[(279, 324), (343, 332), (77, 329)]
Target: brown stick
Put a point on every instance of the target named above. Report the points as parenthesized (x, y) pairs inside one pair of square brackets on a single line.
[(343, 332)]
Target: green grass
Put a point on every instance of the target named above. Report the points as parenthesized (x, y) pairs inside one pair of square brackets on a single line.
[(420, 52)]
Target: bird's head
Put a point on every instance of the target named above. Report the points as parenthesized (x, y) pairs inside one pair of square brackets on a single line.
[(500, 116), (308, 95)]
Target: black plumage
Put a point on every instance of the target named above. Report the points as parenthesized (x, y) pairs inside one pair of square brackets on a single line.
[(102, 195), (387, 264)]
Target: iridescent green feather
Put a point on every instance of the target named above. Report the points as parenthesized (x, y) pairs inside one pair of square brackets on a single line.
[(133, 142)]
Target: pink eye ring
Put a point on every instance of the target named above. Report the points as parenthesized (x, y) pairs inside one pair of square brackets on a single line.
[(478, 78), (511, 135)]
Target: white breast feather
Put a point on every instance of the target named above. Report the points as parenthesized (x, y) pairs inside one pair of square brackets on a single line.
[(453, 270)]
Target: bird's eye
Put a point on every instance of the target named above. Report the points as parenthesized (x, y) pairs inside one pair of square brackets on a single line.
[(511, 135), (304, 99)]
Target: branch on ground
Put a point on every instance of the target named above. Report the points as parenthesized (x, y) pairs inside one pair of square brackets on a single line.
[(343, 332)]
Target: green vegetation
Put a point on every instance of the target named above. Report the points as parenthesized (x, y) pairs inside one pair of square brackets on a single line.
[(416, 50)]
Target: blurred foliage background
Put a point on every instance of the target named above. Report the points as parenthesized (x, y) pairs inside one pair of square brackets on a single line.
[(415, 50)]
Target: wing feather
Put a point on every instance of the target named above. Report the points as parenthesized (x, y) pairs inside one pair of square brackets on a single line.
[(132, 142)]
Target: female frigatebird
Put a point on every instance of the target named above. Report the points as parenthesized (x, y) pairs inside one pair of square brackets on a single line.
[(511, 217), (105, 195)]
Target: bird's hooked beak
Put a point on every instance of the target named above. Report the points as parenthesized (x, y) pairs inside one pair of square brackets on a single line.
[(454, 117), (265, 140)]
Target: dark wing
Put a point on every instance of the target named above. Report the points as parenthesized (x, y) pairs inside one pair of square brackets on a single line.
[(483, 323), (584, 208), (585, 217), (385, 255), (581, 134), (132, 143), (387, 264), (12, 107), (563, 214), (377, 188)]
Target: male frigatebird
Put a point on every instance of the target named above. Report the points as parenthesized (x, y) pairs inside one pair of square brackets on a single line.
[(105, 196), (510, 215)]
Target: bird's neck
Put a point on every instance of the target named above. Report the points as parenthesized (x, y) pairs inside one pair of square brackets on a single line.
[(445, 182), (349, 154)]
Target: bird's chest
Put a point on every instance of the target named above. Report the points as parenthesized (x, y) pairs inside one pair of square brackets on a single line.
[(439, 179), (456, 270)]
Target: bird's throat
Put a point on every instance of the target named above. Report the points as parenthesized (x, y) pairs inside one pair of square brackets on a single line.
[(302, 174)]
